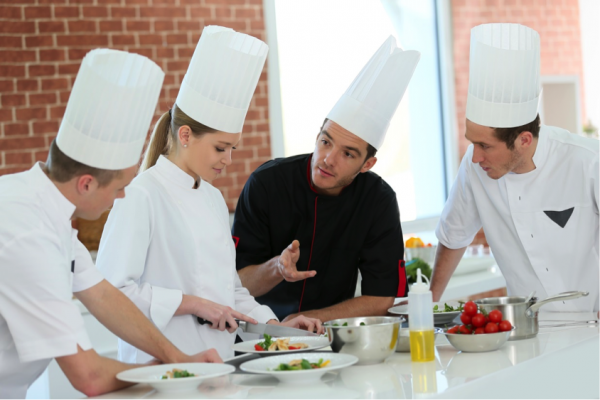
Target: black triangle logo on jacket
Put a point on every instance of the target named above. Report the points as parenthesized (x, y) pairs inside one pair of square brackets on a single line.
[(560, 217)]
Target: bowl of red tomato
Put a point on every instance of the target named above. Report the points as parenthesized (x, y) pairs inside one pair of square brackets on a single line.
[(480, 331)]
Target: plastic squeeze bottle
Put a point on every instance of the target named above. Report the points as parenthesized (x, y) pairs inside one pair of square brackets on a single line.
[(420, 320)]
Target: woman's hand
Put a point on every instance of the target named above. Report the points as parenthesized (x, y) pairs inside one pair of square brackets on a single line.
[(208, 356), (302, 322), (219, 315)]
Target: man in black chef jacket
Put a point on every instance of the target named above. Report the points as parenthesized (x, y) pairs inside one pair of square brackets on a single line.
[(306, 225)]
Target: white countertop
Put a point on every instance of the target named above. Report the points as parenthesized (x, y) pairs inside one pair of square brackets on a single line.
[(561, 362)]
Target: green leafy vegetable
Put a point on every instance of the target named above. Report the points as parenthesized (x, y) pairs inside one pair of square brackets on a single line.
[(363, 324), (266, 343), (448, 308), (411, 270)]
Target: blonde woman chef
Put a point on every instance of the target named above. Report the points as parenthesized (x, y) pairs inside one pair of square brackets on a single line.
[(167, 245)]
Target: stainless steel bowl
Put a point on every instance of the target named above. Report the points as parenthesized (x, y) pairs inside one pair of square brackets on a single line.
[(371, 342), (478, 343), (403, 345)]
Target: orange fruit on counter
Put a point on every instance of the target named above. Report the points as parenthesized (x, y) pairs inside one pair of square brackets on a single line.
[(414, 242)]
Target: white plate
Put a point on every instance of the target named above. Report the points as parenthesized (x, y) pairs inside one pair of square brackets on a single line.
[(438, 318), (153, 375), (313, 342), (265, 366)]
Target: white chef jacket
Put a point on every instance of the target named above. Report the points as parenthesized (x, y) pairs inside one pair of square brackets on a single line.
[(166, 239), (41, 264), (532, 251)]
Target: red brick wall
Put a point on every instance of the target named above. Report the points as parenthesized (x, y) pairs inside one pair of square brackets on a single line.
[(42, 43), (557, 22)]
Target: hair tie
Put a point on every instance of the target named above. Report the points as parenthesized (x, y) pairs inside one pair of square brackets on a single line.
[(170, 115)]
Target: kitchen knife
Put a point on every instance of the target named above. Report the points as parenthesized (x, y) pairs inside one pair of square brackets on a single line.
[(269, 329)]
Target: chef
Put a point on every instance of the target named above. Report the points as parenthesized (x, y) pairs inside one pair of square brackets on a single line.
[(41, 261), (533, 188), (306, 225), (167, 245)]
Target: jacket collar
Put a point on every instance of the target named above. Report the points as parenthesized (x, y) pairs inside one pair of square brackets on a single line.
[(59, 208), (173, 173)]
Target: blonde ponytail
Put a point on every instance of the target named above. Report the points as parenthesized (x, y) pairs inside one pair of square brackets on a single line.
[(159, 141), (164, 137)]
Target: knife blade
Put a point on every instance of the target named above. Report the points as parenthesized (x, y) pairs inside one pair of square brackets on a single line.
[(269, 329)]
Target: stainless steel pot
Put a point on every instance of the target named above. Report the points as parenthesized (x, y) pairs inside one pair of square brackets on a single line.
[(521, 314)]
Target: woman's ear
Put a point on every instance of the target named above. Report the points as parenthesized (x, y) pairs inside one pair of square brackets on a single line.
[(183, 135)]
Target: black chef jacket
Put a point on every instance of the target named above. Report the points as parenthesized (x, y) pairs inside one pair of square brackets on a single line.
[(339, 235)]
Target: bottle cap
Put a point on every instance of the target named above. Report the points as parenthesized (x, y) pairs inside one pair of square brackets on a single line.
[(419, 286)]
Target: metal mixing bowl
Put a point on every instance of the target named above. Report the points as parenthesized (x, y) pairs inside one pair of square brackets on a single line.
[(403, 345), (372, 342), (478, 343)]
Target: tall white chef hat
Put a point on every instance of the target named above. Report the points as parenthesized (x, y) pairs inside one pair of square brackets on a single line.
[(504, 75), (110, 109), (368, 105), (222, 76)]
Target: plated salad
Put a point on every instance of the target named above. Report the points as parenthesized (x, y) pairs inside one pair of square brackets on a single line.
[(448, 308), (278, 344), (177, 373), (300, 364)]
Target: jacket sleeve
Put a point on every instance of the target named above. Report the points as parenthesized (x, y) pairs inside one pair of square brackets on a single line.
[(246, 304), (36, 306), (122, 257), (381, 257), (251, 225), (460, 221)]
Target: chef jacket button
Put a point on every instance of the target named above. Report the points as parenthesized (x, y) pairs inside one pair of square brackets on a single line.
[(532, 235), (519, 197)]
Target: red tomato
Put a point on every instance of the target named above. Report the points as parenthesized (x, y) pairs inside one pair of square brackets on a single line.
[(465, 318), (454, 329), (505, 326), (491, 328), (258, 348), (470, 308), (478, 321), (465, 330), (495, 316), (293, 347), (479, 331)]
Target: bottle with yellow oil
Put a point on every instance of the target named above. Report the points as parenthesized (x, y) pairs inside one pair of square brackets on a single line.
[(420, 320)]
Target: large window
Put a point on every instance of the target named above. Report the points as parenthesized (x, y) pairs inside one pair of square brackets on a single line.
[(319, 46)]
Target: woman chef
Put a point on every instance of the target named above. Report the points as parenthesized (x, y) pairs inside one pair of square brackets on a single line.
[(167, 245)]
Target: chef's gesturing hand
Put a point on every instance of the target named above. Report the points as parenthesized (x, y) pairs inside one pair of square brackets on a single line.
[(302, 322), (286, 264), (217, 314)]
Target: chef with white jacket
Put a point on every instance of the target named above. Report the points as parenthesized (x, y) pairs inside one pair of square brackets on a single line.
[(533, 189), (167, 245), (42, 263)]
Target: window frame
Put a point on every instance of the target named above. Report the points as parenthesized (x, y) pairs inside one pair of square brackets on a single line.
[(443, 24)]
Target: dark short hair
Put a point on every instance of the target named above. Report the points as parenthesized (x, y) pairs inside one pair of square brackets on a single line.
[(63, 168), (510, 135), (371, 151)]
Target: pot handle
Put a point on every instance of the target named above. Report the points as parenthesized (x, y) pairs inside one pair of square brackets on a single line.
[(530, 312)]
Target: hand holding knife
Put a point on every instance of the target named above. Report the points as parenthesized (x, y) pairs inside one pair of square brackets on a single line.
[(269, 329)]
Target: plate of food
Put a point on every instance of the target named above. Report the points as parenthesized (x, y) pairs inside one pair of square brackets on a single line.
[(175, 377), (299, 369), (443, 312), (272, 346)]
